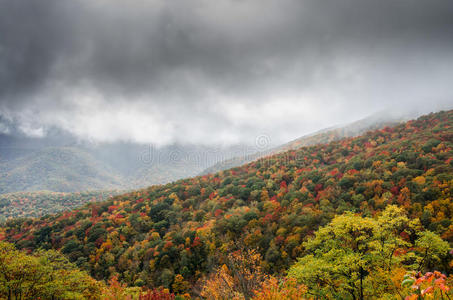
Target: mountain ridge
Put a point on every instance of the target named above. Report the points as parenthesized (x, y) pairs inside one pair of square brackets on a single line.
[(323, 136)]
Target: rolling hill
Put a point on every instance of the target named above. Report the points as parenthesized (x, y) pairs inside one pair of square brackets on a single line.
[(155, 236)]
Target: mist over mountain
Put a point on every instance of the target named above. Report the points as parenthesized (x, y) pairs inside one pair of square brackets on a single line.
[(207, 73), (386, 187), (376, 121), (60, 162), (227, 149), (139, 93)]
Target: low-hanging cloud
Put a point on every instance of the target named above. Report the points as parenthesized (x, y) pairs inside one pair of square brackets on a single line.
[(200, 71)]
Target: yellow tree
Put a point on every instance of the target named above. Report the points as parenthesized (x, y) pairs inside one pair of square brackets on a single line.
[(354, 257), (239, 278)]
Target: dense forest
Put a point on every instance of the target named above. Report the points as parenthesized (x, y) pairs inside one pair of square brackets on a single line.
[(360, 218)]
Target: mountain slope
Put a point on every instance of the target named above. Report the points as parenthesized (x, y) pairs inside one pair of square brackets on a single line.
[(373, 122), (149, 236)]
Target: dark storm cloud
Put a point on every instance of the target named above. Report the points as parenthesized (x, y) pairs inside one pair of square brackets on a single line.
[(227, 70)]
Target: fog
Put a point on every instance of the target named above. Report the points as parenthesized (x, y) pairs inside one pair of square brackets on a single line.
[(218, 72)]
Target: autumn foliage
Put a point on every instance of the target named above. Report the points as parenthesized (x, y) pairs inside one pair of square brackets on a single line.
[(432, 285), (179, 236), (237, 279)]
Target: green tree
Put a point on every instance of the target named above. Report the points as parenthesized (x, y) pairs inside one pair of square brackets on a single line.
[(347, 256), (45, 275)]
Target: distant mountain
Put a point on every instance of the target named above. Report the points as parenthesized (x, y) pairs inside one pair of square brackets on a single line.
[(60, 163), (64, 169), (144, 165), (373, 122)]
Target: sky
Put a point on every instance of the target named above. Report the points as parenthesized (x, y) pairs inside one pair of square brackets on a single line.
[(218, 72)]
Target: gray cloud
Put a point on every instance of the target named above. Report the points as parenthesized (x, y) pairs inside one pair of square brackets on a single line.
[(219, 71)]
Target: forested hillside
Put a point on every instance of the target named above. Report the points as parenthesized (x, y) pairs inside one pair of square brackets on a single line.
[(374, 122), (383, 200)]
